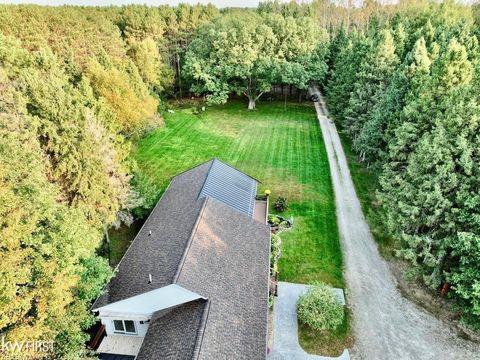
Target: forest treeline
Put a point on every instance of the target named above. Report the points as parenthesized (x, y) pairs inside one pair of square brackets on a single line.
[(79, 86), (406, 91)]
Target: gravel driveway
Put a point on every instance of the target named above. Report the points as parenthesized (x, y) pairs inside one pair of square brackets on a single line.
[(386, 325)]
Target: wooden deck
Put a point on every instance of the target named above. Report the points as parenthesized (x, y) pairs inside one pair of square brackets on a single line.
[(261, 211), (121, 344)]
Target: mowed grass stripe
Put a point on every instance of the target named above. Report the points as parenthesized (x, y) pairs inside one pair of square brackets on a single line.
[(283, 149)]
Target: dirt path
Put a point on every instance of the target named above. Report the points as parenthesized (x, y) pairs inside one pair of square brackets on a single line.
[(386, 325)]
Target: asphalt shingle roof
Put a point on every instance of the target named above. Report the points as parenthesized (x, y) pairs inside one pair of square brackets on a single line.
[(175, 335), (171, 223), (208, 246), (228, 263)]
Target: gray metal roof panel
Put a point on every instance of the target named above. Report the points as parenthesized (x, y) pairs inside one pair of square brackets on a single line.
[(231, 187)]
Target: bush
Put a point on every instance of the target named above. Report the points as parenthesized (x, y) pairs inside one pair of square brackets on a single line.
[(273, 219), (320, 309), (280, 204), (150, 193), (275, 253)]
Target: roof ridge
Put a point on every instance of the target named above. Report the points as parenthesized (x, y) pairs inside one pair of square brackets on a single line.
[(201, 331), (206, 177), (189, 242)]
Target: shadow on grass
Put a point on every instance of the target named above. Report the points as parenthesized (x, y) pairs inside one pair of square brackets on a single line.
[(121, 238)]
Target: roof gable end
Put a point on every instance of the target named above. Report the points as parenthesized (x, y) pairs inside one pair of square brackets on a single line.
[(146, 304)]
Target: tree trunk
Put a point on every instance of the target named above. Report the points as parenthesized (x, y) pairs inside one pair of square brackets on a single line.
[(251, 103), (179, 75), (107, 238)]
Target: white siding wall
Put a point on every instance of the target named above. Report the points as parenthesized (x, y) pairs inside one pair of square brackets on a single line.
[(110, 330)]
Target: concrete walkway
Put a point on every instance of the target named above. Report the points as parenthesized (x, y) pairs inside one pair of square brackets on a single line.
[(285, 326), (386, 325)]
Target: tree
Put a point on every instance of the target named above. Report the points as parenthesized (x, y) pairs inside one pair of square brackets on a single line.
[(429, 185), (342, 79), (234, 54), (378, 130), (418, 122), (131, 105), (372, 78), (46, 245), (155, 73), (303, 49), (245, 54), (61, 178)]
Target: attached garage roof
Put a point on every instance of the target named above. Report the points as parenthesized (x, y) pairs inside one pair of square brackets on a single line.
[(231, 187)]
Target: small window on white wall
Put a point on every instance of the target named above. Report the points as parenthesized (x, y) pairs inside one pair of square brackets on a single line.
[(124, 327)]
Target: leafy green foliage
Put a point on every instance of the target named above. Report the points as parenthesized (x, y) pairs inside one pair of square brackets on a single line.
[(247, 53), (319, 308), (280, 204), (416, 119), (275, 253), (47, 245)]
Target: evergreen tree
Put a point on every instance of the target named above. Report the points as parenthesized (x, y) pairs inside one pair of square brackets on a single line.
[(429, 186), (373, 77), (342, 80), (379, 128), (418, 122)]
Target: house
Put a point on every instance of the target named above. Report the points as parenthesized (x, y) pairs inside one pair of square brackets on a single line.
[(194, 282)]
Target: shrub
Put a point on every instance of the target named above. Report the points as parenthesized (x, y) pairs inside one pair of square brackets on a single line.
[(275, 252), (281, 204), (320, 309), (273, 219)]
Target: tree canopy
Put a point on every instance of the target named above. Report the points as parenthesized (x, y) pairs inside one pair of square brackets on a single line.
[(80, 85), (407, 95), (247, 54)]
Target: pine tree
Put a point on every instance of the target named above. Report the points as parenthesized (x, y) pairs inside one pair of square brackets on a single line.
[(379, 129), (429, 183), (373, 77), (344, 74)]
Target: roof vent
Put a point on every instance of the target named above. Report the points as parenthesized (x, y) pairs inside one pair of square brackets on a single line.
[(149, 232), (149, 278)]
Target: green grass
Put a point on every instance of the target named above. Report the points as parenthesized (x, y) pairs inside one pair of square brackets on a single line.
[(281, 148), (366, 183), (120, 239), (328, 342)]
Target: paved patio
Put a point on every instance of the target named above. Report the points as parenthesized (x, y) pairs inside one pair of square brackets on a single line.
[(285, 326)]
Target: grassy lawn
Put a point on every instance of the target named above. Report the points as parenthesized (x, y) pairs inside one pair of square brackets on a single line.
[(120, 239), (327, 343), (281, 148), (285, 151)]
